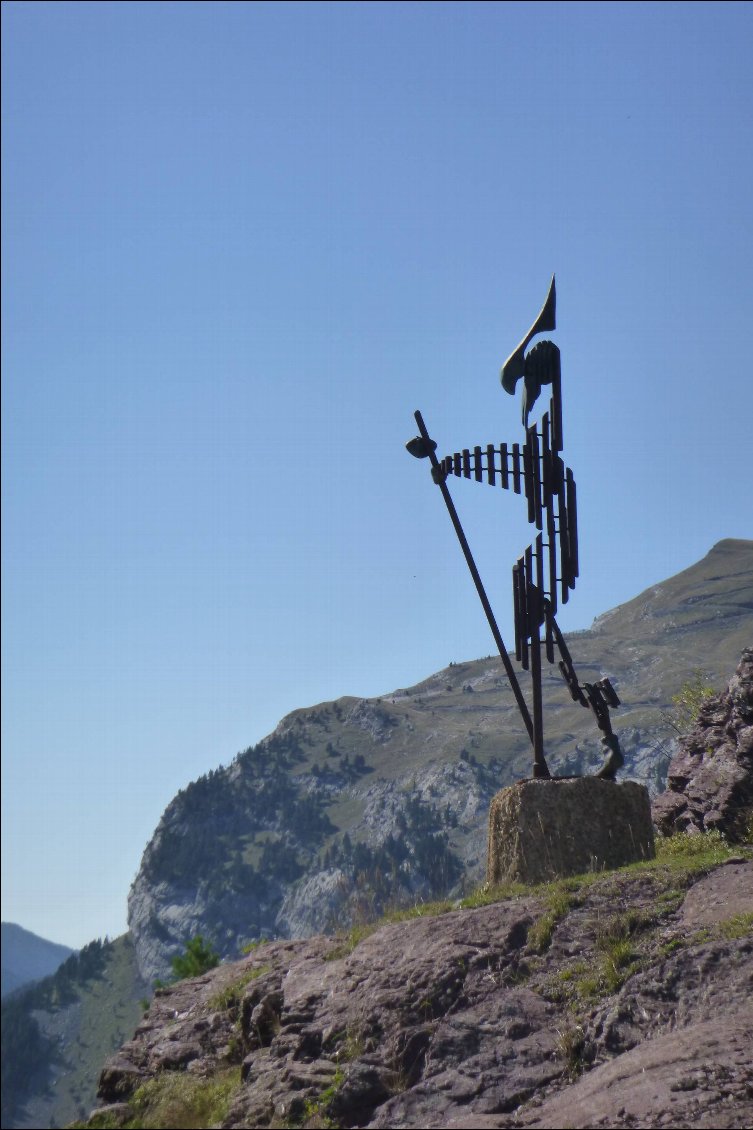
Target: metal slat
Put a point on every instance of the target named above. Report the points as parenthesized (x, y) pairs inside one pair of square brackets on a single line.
[(533, 439), (556, 409), (551, 537), (503, 469), (516, 467), (466, 463), (523, 605), (490, 464), (549, 639), (517, 613), (564, 544), (478, 470), (528, 480), (572, 525), (546, 462), (540, 573)]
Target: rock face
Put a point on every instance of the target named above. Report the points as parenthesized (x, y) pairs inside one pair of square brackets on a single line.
[(545, 829), (625, 1001), (710, 779)]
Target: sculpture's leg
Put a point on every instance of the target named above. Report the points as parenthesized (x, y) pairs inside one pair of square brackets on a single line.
[(614, 760)]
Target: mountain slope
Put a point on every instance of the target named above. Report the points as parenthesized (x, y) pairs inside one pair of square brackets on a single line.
[(357, 804), (27, 957)]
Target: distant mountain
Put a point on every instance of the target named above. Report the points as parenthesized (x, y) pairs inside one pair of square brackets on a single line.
[(56, 1032), (27, 957), (357, 804)]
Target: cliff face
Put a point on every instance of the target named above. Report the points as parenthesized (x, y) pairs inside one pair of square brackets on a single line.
[(356, 805), (710, 779), (621, 1000)]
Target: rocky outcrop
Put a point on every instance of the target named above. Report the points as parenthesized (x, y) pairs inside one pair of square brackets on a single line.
[(621, 1001), (710, 778)]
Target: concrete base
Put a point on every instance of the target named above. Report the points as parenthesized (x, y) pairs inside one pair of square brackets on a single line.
[(542, 830)]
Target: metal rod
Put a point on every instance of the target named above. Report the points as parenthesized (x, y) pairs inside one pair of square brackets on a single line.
[(509, 671)]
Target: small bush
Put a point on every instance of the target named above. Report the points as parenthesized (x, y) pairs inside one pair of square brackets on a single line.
[(199, 957)]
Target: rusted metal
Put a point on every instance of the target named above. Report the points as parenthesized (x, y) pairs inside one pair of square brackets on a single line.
[(546, 572)]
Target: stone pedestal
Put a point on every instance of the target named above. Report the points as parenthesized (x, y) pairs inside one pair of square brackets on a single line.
[(546, 829)]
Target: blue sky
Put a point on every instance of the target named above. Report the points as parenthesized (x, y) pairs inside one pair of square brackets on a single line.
[(242, 243)]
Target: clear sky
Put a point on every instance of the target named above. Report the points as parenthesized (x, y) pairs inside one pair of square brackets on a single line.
[(242, 242)]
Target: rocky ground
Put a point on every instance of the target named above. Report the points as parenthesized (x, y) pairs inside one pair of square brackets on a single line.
[(619, 1000)]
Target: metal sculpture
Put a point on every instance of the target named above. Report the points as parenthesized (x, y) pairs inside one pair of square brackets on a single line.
[(546, 572)]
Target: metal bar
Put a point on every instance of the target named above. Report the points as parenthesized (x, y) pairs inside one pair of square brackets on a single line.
[(549, 634), (466, 463), (477, 467), (566, 666), (533, 441), (523, 605), (556, 408), (517, 613), (503, 470), (509, 671), (456, 464), (528, 478), (490, 464), (572, 525), (516, 467), (551, 537), (546, 462), (533, 609), (564, 543), (540, 574)]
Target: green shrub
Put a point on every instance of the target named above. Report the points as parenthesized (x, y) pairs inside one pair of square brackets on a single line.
[(199, 957)]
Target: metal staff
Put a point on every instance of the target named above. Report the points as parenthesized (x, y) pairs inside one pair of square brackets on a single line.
[(426, 447)]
